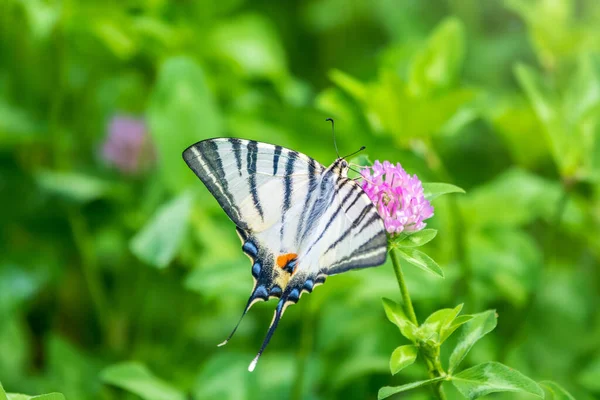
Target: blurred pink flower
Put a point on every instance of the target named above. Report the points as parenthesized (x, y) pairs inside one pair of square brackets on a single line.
[(398, 197), (128, 145)]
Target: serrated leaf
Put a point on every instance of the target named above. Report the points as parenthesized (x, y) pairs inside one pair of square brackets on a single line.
[(397, 316), (556, 391), (431, 190), (493, 377), (421, 260), (449, 330), (415, 239), (159, 240), (137, 378), (481, 324), (387, 391), (402, 357)]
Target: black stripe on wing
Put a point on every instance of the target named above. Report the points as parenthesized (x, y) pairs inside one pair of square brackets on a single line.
[(204, 159), (251, 159)]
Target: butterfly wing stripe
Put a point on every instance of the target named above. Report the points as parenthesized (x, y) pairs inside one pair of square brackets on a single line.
[(353, 226), (209, 165), (276, 155), (287, 193), (325, 198), (237, 151), (289, 170), (251, 166), (312, 185), (336, 212)]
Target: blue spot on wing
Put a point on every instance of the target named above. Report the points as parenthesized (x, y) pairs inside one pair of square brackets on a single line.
[(256, 269), (276, 291), (261, 291), (250, 249), (308, 285)]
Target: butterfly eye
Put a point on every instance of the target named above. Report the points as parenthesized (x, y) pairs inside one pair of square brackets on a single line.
[(344, 164)]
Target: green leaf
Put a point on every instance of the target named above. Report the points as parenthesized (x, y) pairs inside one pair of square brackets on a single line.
[(158, 242), (72, 186), (402, 357), (432, 190), (438, 64), (421, 260), (493, 377), (397, 316), (387, 391), (416, 239), (251, 43), (439, 320), (136, 378), (449, 330), (182, 111), (481, 324), (556, 391), (589, 378), (15, 396), (349, 84)]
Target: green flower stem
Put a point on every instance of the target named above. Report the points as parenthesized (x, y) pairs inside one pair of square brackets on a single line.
[(433, 366), (406, 302)]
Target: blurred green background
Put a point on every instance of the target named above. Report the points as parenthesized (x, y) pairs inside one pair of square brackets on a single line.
[(119, 273)]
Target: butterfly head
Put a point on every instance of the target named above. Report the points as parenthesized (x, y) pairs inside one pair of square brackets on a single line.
[(340, 167)]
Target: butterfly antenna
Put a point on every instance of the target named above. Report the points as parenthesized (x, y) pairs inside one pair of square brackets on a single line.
[(356, 152), (278, 313), (333, 133)]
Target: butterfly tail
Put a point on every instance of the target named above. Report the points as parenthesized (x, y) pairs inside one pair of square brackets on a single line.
[(258, 294), (278, 313)]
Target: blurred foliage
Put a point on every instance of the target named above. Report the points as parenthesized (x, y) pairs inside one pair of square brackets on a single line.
[(501, 98)]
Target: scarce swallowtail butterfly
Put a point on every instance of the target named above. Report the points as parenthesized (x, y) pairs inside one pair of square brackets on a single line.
[(299, 221)]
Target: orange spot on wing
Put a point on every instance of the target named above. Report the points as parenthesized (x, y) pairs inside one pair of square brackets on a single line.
[(284, 259)]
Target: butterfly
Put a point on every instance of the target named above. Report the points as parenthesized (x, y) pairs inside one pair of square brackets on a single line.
[(298, 220)]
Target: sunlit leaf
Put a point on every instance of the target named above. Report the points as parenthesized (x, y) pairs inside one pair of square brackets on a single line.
[(158, 242), (349, 84), (182, 111), (439, 320), (437, 64), (493, 377), (397, 316), (556, 391), (454, 325), (15, 396), (590, 376), (415, 239), (137, 378), (481, 324), (387, 391), (251, 43), (431, 190), (421, 260), (402, 357), (74, 186)]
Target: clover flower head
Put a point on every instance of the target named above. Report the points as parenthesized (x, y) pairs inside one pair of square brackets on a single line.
[(128, 145), (398, 197)]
